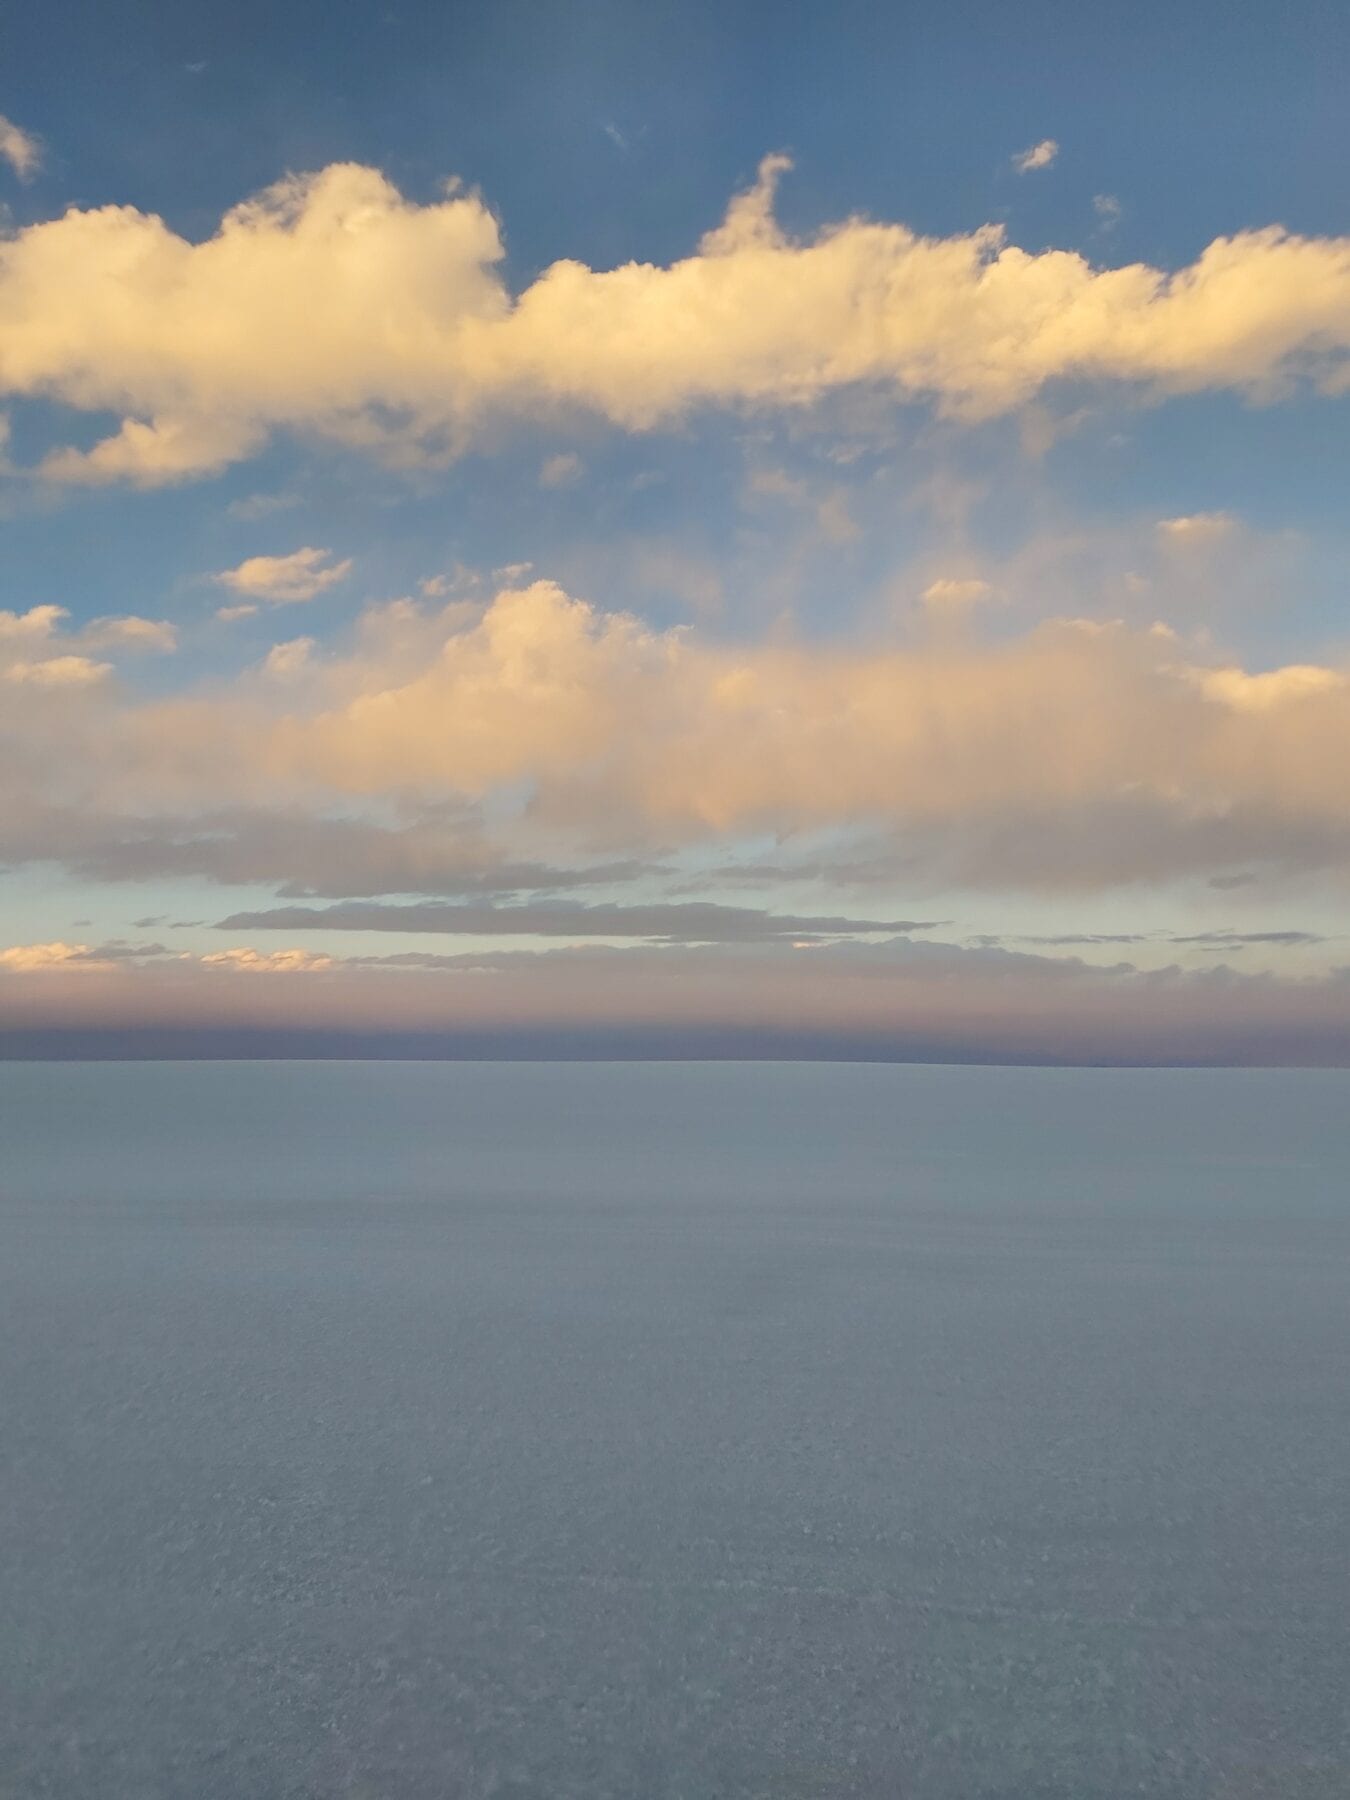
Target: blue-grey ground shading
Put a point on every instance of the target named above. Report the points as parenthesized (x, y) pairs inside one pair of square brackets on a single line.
[(420, 1431)]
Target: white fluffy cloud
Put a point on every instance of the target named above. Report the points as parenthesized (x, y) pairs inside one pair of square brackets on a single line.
[(330, 304), (285, 579)]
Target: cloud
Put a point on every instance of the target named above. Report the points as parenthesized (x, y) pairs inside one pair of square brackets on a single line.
[(285, 661), (1089, 729), (286, 579), (303, 853), (333, 306), (58, 671), (895, 1000), (37, 622), (131, 633), (267, 962), (1039, 156), (689, 922), (24, 958), (155, 453), (1107, 209), (252, 507), (560, 471), (1223, 940), (38, 649), (1072, 755), (1275, 688), (1197, 529), (48, 625), (951, 594), (1226, 939), (20, 149)]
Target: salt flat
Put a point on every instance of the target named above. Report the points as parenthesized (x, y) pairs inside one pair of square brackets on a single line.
[(410, 1431)]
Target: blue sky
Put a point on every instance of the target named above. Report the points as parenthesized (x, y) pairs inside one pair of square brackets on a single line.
[(672, 586)]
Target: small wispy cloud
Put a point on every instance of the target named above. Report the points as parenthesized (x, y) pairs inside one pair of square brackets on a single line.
[(949, 594), (20, 149), (261, 506), (1197, 528), (285, 661), (559, 471), (1107, 209), (286, 579), (1039, 156)]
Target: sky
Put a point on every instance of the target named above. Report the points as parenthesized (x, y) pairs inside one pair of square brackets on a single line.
[(716, 529)]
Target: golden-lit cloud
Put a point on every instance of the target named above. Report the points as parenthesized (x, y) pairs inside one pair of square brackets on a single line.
[(1070, 754), (1073, 753), (25, 958), (58, 671), (285, 579), (245, 960), (38, 649), (332, 305)]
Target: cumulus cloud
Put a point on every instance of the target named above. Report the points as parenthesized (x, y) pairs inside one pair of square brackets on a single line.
[(330, 304), (131, 633), (1275, 688), (286, 579), (1072, 754), (37, 622), (1038, 156), (20, 149), (58, 671), (664, 732), (39, 649)]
